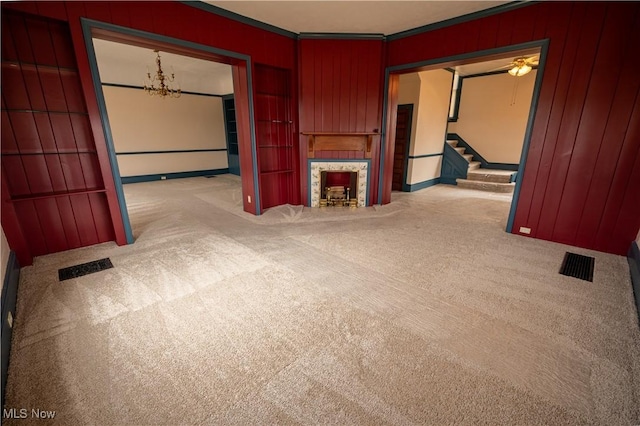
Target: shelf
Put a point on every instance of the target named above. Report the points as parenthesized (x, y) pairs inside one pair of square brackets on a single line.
[(37, 111), (264, 120), (32, 64), (56, 195), (48, 153), (274, 172), (332, 141)]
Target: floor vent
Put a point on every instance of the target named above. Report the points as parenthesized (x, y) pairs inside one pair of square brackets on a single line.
[(210, 176), (84, 269), (578, 266)]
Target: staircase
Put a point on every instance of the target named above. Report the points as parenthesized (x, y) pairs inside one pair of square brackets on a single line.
[(483, 179)]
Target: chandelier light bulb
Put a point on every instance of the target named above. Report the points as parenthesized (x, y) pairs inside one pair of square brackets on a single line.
[(161, 84)]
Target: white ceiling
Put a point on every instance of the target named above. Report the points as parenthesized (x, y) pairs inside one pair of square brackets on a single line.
[(497, 64), (125, 64), (354, 16)]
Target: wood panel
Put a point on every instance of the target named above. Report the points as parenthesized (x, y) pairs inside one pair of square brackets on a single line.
[(340, 92), (390, 146), (274, 136), (599, 99), (580, 183), (173, 19), (47, 163), (241, 93)]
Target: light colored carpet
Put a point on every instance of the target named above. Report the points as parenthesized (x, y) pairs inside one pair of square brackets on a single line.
[(420, 311)]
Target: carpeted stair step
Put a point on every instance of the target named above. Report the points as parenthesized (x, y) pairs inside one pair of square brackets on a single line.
[(486, 186), (473, 165), (468, 157), (490, 175), (453, 143), (460, 150)]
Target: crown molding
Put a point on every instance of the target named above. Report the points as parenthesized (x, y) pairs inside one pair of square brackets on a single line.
[(341, 36), (240, 18), (460, 19)]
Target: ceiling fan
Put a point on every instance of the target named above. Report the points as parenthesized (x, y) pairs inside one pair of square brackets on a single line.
[(522, 65)]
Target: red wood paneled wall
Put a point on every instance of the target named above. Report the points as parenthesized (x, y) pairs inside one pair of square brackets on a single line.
[(341, 83), (581, 183), (173, 19), (277, 154), (54, 188), (582, 174)]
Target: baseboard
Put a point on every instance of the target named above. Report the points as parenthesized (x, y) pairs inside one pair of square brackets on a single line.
[(448, 180), (421, 185), (179, 175), (633, 257), (9, 296)]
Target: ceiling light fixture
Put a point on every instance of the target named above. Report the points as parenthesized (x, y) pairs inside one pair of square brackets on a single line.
[(163, 88), (520, 67)]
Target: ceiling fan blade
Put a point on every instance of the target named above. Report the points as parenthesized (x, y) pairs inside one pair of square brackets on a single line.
[(504, 67), (533, 60)]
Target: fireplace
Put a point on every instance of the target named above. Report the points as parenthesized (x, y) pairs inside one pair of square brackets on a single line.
[(329, 180), (337, 187)]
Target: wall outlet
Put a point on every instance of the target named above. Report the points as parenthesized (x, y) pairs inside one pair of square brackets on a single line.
[(163, 177), (10, 319), (249, 198), (524, 230)]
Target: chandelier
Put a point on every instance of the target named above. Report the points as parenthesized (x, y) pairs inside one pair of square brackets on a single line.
[(160, 84)]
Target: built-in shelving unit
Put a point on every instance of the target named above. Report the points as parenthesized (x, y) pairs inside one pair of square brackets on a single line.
[(274, 135), (50, 164), (229, 109)]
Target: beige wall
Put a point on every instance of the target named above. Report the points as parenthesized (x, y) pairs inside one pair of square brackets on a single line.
[(409, 93), (493, 115), (141, 123), (435, 93), (430, 92), (4, 256), (423, 169), (638, 238)]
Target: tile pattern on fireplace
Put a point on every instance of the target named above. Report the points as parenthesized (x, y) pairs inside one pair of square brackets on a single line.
[(315, 167)]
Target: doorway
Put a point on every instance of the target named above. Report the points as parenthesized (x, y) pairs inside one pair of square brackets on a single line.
[(401, 152), (243, 105), (501, 54)]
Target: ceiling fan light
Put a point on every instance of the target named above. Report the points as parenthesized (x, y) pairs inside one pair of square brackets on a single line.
[(520, 70)]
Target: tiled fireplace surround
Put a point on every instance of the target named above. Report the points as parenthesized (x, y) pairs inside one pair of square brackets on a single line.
[(320, 165)]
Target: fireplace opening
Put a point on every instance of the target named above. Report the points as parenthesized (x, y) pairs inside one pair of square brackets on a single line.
[(338, 189)]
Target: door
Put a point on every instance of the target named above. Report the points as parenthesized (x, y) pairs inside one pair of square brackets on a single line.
[(403, 136), (228, 106)]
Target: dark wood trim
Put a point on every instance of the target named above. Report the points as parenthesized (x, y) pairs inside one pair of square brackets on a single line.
[(633, 258), (460, 19), (341, 36), (9, 297), (184, 92), (239, 18)]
